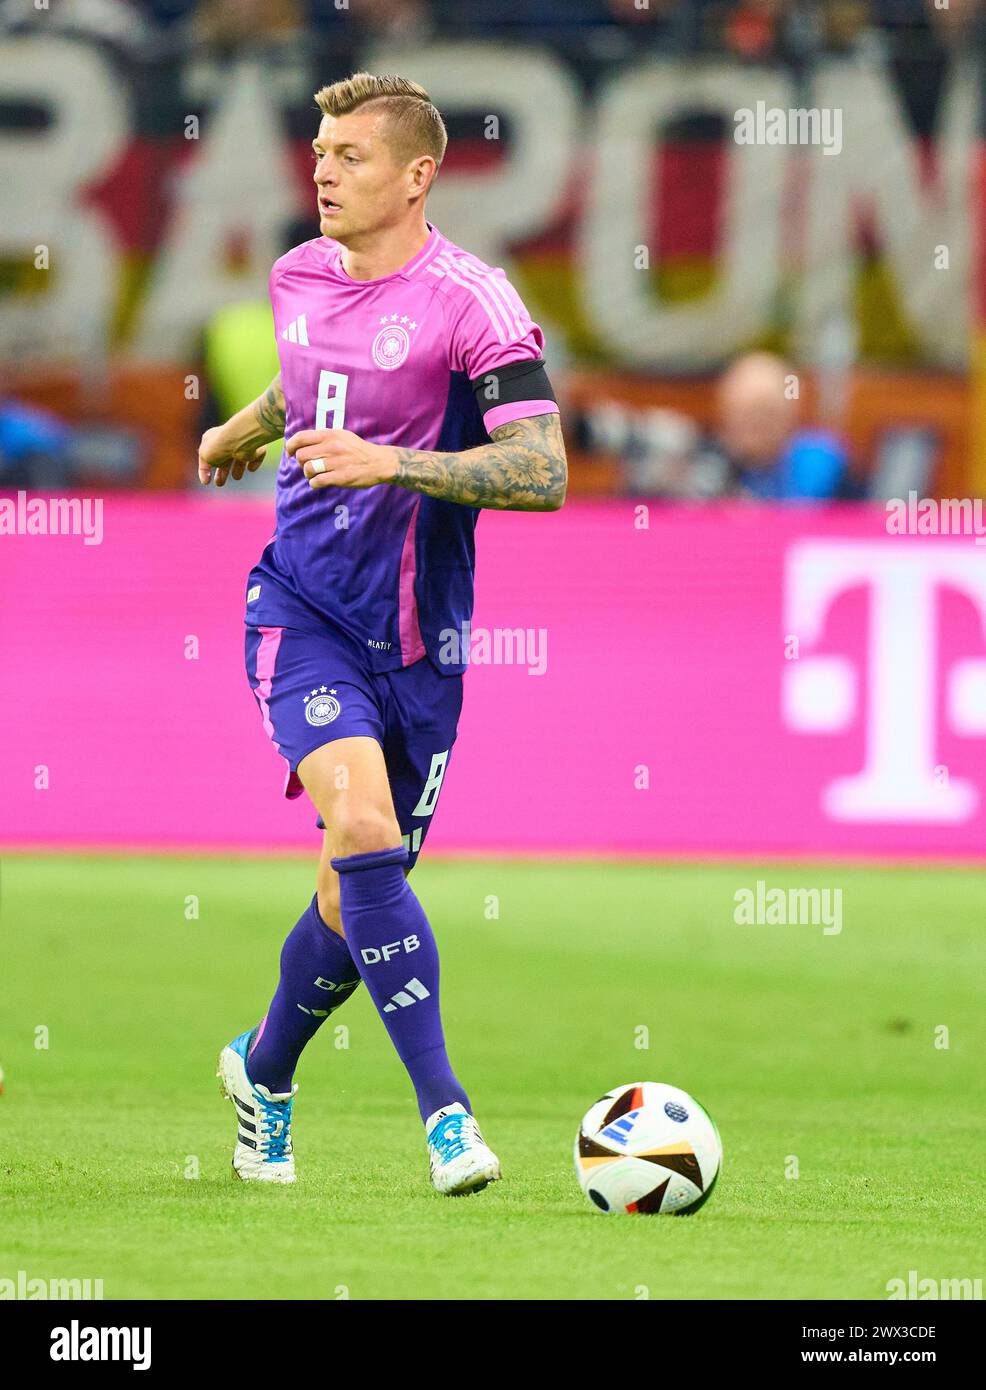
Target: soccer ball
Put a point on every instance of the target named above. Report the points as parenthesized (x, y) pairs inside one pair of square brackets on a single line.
[(646, 1149)]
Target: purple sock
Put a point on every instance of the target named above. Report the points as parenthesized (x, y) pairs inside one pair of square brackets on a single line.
[(317, 975), (395, 952)]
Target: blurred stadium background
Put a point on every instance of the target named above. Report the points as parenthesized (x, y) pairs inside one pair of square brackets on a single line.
[(755, 346)]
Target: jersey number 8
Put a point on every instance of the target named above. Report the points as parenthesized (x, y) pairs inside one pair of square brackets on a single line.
[(331, 401)]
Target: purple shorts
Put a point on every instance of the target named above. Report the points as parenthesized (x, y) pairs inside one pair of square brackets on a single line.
[(312, 688)]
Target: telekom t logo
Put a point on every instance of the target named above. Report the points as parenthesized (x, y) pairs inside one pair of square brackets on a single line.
[(821, 693)]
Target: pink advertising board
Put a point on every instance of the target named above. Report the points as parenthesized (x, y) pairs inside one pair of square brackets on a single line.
[(648, 680)]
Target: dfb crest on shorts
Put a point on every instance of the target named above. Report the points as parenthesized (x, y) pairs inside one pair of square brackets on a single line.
[(321, 707)]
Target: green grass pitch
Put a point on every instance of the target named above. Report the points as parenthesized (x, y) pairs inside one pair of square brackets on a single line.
[(800, 1044)]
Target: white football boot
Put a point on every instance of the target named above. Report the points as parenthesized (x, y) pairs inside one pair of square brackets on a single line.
[(263, 1136), (459, 1157)]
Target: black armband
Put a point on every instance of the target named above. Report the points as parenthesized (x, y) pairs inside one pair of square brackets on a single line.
[(512, 384)]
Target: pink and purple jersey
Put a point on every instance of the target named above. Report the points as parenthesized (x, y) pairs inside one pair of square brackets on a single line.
[(400, 360)]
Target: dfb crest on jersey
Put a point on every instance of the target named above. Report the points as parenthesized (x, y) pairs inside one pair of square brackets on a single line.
[(393, 342), (321, 707)]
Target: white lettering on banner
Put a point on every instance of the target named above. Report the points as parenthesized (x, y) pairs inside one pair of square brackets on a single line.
[(606, 146), (899, 781), (43, 175), (880, 167), (540, 100), (632, 111), (224, 192)]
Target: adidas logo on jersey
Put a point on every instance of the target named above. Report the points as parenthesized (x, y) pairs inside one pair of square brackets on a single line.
[(410, 994), (297, 331)]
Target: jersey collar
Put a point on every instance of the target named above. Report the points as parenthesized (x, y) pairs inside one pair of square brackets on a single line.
[(416, 264)]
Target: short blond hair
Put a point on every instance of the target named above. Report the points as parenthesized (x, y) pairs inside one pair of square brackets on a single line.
[(414, 123)]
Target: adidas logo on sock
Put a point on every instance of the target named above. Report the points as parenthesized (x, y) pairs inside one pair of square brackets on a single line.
[(410, 994), (297, 331)]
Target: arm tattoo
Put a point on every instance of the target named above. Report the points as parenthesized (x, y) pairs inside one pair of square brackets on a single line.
[(524, 469), (269, 410)]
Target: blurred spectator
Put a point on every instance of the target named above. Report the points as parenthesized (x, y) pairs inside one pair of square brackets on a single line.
[(757, 448), (660, 451), (845, 22), (759, 438), (402, 20), (753, 27), (666, 459), (955, 20), (239, 353), (634, 12), (479, 15), (239, 360), (35, 447), (164, 13), (230, 26)]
